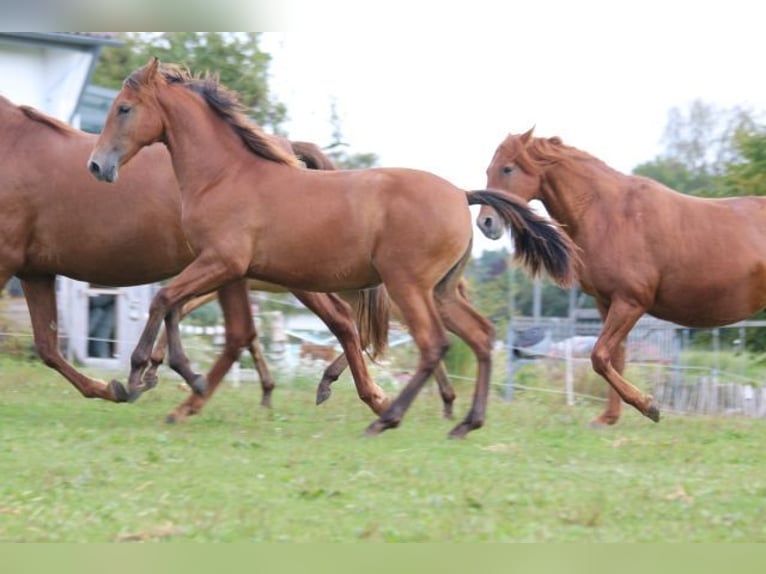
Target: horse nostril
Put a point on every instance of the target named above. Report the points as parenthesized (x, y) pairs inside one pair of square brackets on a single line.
[(94, 168)]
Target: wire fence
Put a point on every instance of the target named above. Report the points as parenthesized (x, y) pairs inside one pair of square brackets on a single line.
[(687, 371), (659, 354)]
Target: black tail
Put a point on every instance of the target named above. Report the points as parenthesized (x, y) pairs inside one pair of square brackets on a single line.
[(538, 243)]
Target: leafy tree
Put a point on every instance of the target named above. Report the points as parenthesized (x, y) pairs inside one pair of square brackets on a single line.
[(748, 176), (235, 57), (699, 145)]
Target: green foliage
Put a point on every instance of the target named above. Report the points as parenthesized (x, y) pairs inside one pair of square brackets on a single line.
[(700, 144), (748, 176), (208, 315), (673, 173), (490, 280), (235, 57)]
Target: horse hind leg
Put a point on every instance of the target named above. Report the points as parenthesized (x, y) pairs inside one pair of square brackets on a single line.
[(40, 294), (336, 314), (330, 375), (461, 318), (420, 315)]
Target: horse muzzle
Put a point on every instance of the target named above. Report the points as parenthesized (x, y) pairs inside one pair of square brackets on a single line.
[(101, 172), (490, 226)]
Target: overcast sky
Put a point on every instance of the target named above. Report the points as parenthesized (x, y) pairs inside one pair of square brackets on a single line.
[(428, 97)]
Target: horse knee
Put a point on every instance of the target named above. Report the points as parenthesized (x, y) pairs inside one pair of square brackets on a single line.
[(599, 360), (431, 357), (49, 354)]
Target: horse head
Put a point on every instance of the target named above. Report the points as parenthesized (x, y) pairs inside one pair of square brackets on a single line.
[(510, 171), (134, 121)]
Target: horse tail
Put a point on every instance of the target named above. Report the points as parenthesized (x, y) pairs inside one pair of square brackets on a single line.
[(373, 308), (538, 243), (310, 154)]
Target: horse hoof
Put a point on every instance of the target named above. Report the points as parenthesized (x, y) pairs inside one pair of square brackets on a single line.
[(653, 412), (447, 413), (461, 430), (378, 426), (171, 419), (323, 393), (599, 424), (266, 401), (199, 385), (134, 393), (150, 381), (118, 391)]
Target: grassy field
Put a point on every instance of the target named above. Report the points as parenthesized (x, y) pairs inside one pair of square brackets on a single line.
[(78, 470)]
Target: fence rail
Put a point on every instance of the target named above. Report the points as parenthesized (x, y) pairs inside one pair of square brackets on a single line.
[(657, 360)]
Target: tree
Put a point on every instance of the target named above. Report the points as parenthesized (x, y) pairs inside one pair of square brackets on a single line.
[(235, 57), (699, 145), (490, 280), (341, 158), (748, 176)]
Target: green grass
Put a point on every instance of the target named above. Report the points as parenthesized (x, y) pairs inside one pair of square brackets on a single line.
[(76, 470)]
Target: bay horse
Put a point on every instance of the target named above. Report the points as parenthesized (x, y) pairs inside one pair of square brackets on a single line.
[(644, 248), (116, 243), (249, 211)]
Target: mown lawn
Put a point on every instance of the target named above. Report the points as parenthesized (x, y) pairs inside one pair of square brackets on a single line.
[(78, 470)]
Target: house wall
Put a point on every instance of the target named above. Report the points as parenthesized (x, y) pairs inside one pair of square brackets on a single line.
[(48, 77)]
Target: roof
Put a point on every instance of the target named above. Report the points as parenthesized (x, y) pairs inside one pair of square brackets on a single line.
[(70, 38)]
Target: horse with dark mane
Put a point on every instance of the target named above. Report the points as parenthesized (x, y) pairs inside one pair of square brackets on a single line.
[(644, 248), (126, 236), (248, 211)]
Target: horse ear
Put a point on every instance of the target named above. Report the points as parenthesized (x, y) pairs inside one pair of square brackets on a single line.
[(527, 135), (151, 68)]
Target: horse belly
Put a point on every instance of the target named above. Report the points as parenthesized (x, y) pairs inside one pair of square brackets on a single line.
[(312, 270), (703, 306)]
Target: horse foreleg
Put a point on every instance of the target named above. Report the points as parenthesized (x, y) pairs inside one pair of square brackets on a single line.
[(337, 315), (608, 358), (160, 348), (613, 408), (40, 294), (239, 333), (330, 375), (177, 358), (446, 391), (205, 274)]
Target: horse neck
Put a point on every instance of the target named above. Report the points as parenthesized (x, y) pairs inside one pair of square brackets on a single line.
[(200, 143), (569, 191)]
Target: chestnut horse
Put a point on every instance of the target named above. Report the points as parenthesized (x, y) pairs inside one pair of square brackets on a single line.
[(644, 248), (113, 243), (374, 334), (248, 211)]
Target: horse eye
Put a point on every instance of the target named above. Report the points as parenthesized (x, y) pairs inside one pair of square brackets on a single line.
[(507, 169), (123, 109)]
